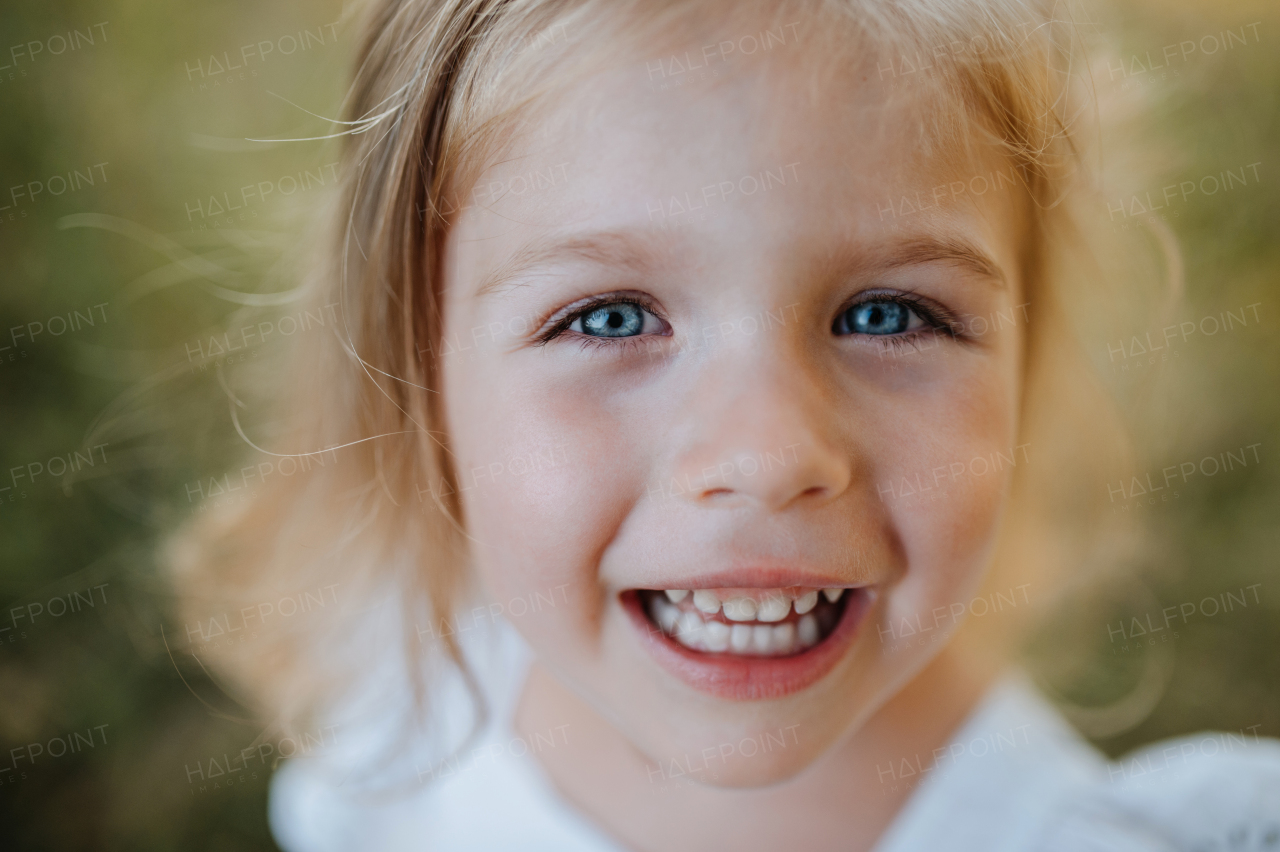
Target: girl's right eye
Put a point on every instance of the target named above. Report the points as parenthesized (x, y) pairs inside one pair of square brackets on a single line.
[(615, 319)]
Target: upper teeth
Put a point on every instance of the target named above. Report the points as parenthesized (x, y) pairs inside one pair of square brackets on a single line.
[(740, 609), (774, 607), (705, 601), (694, 632), (808, 602)]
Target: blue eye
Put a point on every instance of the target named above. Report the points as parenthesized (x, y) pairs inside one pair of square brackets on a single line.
[(616, 319), (878, 317)]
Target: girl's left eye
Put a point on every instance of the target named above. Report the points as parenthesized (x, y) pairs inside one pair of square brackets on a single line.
[(877, 317), (614, 319)]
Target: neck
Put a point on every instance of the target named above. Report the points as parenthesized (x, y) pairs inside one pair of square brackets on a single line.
[(843, 802)]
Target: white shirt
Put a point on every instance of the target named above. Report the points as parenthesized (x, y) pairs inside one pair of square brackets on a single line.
[(1015, 776)]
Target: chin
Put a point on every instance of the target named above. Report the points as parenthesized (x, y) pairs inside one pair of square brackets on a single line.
[(746, 713)]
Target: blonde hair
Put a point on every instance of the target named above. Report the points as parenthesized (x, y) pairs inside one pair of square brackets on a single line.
[(436, 84)]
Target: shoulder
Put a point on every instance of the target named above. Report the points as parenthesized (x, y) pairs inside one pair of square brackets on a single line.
[(308, 813), (1212, 790), (461, 792), (489, 796), (1016, 777)]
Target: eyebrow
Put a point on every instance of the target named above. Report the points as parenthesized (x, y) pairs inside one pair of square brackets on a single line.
[(641, 251), (632, 250), (954, 250)]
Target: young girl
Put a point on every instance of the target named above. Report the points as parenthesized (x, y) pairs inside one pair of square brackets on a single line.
[(700, 367)]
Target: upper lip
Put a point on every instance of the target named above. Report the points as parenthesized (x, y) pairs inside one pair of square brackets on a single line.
[(761, 578)]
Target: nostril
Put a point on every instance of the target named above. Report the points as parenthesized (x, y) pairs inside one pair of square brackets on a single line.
[(815, 491)]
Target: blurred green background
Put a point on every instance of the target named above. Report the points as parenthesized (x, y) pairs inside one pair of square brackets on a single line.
[(143, 98)]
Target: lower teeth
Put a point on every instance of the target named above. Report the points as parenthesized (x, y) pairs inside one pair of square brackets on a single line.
[(751, 640)]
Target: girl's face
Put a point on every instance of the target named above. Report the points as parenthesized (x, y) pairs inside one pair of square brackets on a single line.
[(731, 374)]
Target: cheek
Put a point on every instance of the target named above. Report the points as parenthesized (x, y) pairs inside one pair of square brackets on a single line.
[(953, 466), (543, 490)]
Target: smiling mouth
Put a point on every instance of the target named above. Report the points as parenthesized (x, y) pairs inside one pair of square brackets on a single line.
[(746, 623)]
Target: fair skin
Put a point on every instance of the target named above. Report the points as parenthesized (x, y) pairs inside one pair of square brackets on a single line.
[(690, 449)]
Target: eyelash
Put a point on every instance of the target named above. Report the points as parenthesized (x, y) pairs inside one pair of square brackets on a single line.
[(937, 318), (554, 328)]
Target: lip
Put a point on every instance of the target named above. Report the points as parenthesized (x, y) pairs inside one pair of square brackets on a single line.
[(743, 678), (765, 578)]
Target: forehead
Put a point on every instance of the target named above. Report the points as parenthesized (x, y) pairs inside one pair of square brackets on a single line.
[(697, 141)]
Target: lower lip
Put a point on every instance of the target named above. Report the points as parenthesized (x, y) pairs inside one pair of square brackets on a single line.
[(742, 678)]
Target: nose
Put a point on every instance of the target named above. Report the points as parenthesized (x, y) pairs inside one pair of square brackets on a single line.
[(759, 430)]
